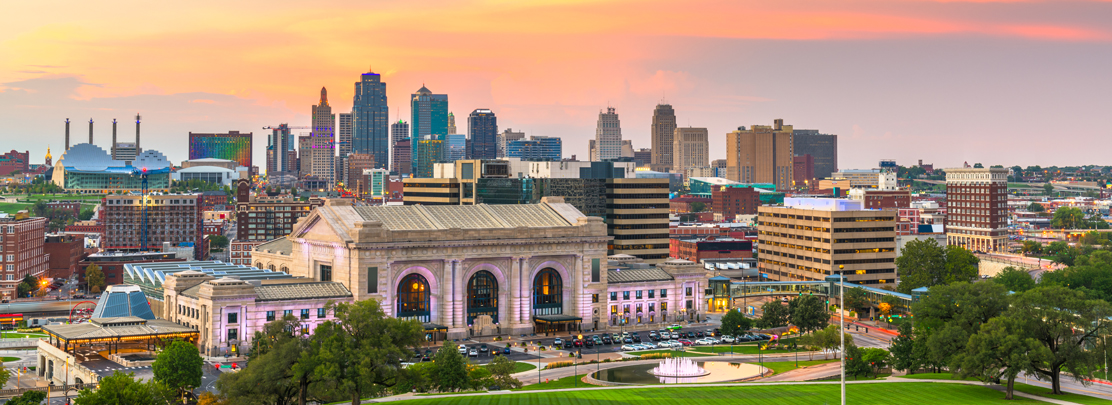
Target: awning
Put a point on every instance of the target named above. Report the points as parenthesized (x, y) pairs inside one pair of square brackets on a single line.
[(553, 319), (432, 327)]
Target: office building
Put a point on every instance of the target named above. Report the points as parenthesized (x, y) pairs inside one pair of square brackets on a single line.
[(608, 136), (304, 157), (663, 134), (536, 148), (402, 163), (356, 164), (323, 140), (882, 199), (230, 146), (279, 143), (452, 123), (429, 118), (809, 238), (643, 156), (761, 154), (399, 131), (483, 128), (977, 208), (698, 248), (822, 147), (454, 148), (21, 250), (627, 149), (505, 137), (15, 162), (429, 152), (690, 149), (260, 221), (345, 135), (86, 168), (374, 184), (171, 218), (803, 173), (125, 151), (637, 217), (65, 251), (730, 202), (370, 114)]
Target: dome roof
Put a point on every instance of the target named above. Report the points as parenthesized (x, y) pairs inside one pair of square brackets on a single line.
[(151, 160), (48, 157), (88, 157)]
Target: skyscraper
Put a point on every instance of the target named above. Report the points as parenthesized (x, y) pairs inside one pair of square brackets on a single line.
[(608, 136), (399, 131), (429, 117), (506, 137), (279, 143), (663, 128), (429, 152), (305, 155), (690, 149), (761, 154), (452, 123), (822, 147), (454, 148), (977, 208), (370, 115), (538, 148), (323, 140), (403, 162), (483, 128), (344, 146)]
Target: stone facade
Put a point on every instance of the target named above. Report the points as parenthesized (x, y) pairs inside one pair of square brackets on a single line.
[(449, 265)]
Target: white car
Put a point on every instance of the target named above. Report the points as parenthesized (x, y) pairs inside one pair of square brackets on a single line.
[(675, 335), (668, 344), (629, 347), (704, 341), (712, 341), (463, 350), (474, 353), (648, 345), (727, 339)]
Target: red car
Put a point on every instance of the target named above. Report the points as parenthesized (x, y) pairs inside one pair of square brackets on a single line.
[(578, 343), (685, 342)]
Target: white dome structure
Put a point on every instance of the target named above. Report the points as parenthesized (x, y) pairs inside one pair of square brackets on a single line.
[(151, 160), (88, 157)]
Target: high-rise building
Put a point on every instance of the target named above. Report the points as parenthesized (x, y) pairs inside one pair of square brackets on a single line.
[(663, 131), (403, 162), (451, 123), (608, 137), (429, 117), (21, 250), (761, 154), (370, 115), (536, 148), (803, 172), (637, 217), (356, 164), (345, 135), (171, 218), (230, 146), (627, 149), (323, 140), (643, 156), (279, 143), (809, 238), (374, 184), (822, 147), (454, 148), (690, 149), (483, 128), (261, 221), (399, 131), (977, 208), (304, 156), (505, 138), (429, 152)]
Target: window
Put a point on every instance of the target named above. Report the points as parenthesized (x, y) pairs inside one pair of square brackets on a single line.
[(233, 317), (287, 312), (233, 334), (663, 293), (638, 294), (305, 314), (596, 271), (613, 295), (652, 293), (664, 307), (270, 316), (625, 295), (325, 273), (594, 298), (372, 280), (687, 292), (320, 313)]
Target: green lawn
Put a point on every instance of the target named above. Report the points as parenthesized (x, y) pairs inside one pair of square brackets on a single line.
[(748, 348), (935, 376), (519, 367), (17, 335), (9, 359), (880, 394), (54, 197), (12, 208), (672, 352), (1067, 396), (786, 366), (566, 382)]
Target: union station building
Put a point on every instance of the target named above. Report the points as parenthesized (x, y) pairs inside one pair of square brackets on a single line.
[(480, 270)]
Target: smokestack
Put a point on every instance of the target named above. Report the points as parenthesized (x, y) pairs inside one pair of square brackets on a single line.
[(90, 131), (113, 146), (137, 149), (67, 135)]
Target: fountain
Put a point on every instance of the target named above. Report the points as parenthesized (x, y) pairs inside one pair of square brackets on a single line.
[(679, 370), (678, 367)]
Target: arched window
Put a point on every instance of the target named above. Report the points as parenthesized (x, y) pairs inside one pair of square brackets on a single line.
[(548, 293), (270, 267), (413, 298), (482, 296), (259, 265), (285, 269)]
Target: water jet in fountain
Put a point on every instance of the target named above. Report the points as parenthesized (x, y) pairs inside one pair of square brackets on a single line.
[(678, 367)]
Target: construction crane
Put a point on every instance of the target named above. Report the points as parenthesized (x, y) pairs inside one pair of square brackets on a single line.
[(283, 126), (142, 173)]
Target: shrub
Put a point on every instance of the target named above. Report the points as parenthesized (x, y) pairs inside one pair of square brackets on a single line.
[(558, 364), (651, 356)]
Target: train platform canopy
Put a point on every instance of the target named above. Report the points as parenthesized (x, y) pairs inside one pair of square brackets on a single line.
[(115, 330), (123, 301), (150, 276)]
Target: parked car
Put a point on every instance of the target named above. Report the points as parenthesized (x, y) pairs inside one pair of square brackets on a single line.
[(700, 334), (675, 335), (474, 353), (704, 341), (568, 344), (463, 350), (653, 336), (483, 349), (685, 342), (588, 343), (559, 342), (578, 343), (649, 345), (628, 348), (713, 341), (636, 339), (627, 339), (727, 339), (606, 339), (506, 350)]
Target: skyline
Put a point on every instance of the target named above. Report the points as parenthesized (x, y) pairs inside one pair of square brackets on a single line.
[(902, 80)]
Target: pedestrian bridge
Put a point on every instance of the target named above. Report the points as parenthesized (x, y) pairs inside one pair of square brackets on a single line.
[(828, 288)]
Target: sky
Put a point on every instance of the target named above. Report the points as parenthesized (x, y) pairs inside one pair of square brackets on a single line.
[(980, 81)]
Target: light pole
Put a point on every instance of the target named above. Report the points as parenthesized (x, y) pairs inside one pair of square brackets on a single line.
[(842, 325)]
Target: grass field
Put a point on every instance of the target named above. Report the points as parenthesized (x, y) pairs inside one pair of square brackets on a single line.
[(53, 197), (16, 335), (1069, 397), (786, 366), (935, 376), (9, 359), (672, 352), (881, 394), (519, 367), (748, 348), (566, 382), (12, 208)]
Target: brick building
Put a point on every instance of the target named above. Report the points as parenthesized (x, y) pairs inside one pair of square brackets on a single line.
[(264, 221), (74, 207), (213, 227), (214, 201), (886, 199), (21, 250), (65, 251), (803, 172), (729, 202), (710, 247), (977, 208), (682, 204), (14, 161), (173, 218)]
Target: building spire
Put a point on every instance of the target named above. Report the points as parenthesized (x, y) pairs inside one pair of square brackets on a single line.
[(323, 96)]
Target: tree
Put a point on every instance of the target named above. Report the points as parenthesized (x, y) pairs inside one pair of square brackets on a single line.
[(1032, 247), (1035, 207), (359, 353), (121, 388), (903, 350), (1016, 280), (219, 241), (925, 264), (999, 349), (808, 313), (28, 398), (1066, 323), (978, 166), (828, 339), (855, 361), (179, 367), (774, 314), (1069, 218), (270, 376), (876, 358), (1048, 189), (500, 370), (86, 214), (450, 371), (735, 323), (856, 299), (698, 206), (94, 278)]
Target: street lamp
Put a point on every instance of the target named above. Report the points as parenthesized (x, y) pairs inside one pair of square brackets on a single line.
[(842, 325)]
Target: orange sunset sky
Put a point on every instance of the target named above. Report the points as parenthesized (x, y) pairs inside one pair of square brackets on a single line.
[(998, 82)]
